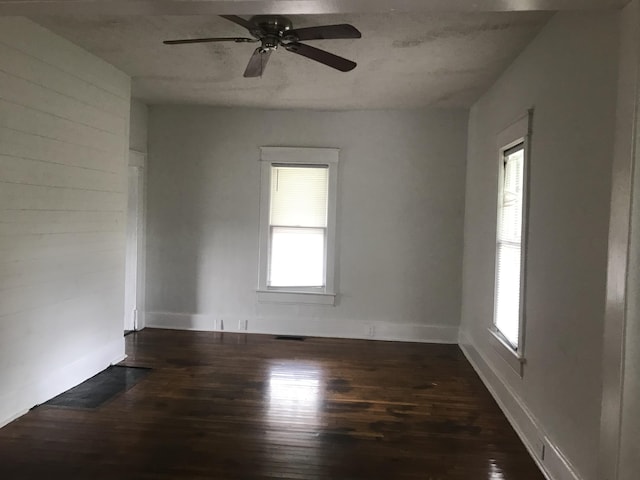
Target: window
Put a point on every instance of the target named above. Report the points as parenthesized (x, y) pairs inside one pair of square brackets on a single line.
[(297, 223), (509, 246), (508, 321)]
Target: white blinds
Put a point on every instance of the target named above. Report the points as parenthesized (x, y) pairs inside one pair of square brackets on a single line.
[(299, 196), (511, 207), (509, 247)]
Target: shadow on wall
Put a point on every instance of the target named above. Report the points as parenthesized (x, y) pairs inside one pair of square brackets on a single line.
[(175, 271), (202, 221)]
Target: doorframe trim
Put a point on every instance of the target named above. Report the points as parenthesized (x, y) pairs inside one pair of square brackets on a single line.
[(621, 236), (138, 159)]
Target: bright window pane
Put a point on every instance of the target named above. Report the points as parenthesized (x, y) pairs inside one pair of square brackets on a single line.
[(508, 292), (509, 247), (299, 196), (297, 257)]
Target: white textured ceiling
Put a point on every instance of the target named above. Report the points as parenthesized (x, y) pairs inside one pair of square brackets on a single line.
[(404, 60)]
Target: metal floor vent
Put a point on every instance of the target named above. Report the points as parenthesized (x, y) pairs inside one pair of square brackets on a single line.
[(100, 388), (291, 337)]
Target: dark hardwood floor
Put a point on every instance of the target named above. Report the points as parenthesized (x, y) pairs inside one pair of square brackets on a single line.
[(231, 406)]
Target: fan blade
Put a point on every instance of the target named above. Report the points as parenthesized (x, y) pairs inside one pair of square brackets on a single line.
[(240, 21), (320, 33), (207, 40), (257, 63), (321, 56)]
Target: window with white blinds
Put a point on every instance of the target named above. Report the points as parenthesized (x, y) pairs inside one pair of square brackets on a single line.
[(298, 225), (509, 246), (298, 202)]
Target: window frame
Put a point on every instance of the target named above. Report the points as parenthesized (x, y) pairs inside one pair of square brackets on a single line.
[(517, 134), (325, 157)]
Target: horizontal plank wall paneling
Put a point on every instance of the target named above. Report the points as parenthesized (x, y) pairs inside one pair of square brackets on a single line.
[(33, 147), (37, 71), (64, 124), (39, 43)]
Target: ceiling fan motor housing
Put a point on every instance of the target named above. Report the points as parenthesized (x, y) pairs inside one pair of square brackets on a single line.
[(270, 24), (269, 29)]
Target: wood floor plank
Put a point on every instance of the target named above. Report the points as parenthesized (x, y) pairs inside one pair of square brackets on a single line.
[(235, 406)]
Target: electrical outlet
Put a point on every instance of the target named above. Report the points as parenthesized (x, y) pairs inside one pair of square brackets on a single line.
[(371, 331), (242, 324)]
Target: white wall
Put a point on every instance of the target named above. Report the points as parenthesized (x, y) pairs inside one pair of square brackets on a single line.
[(568, 73), (63, 137), (400, 218)]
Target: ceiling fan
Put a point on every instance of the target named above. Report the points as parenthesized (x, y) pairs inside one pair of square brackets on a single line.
[(273, 31)]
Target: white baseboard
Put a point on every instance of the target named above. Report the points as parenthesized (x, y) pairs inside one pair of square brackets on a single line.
[(18, 402), (549, 458), (312, 327)]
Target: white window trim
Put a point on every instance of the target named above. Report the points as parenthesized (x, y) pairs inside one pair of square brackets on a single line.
[(515, 134), (297, 156)]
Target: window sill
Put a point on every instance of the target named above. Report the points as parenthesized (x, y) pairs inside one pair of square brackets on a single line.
[(292, 297), (508, 354)]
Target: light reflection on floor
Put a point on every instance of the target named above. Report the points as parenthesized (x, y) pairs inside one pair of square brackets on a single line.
[(294, 412), (294, 393), (495, 472)]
